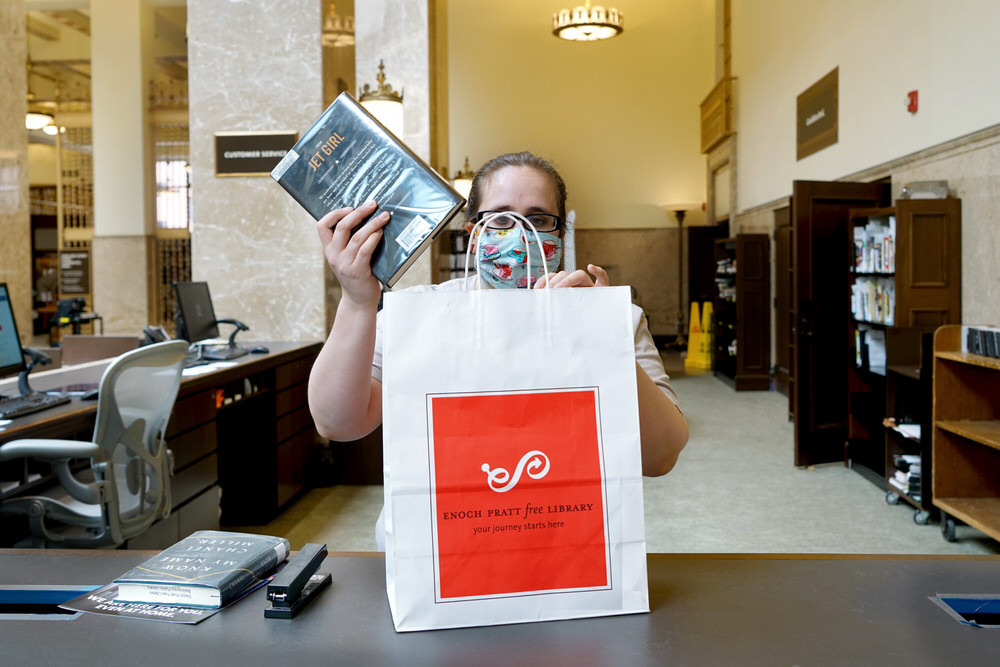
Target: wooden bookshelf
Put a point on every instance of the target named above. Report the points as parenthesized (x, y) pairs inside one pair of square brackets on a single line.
[(908, 396), (742, 326), (966, 437), (904, 280)]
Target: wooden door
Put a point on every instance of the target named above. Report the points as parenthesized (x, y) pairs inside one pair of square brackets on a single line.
[(783, 325), (929, 263), (753, 312), (821, 305)]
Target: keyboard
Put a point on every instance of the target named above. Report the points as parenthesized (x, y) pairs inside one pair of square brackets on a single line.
[(225, 353), (18, 406)]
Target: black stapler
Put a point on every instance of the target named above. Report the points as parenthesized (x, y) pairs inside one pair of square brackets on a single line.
[(297, 583)]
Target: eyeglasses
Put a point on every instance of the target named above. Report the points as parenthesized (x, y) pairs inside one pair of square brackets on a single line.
[(542, 222)]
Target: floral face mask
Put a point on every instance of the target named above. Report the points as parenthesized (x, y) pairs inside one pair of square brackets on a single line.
[(515, 257)]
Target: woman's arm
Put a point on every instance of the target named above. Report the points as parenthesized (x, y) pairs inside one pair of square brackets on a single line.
[(344, 399), (663, 431)]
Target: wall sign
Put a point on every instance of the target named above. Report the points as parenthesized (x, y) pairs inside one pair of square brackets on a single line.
[(74, 272), (250, 153), (816, 117)]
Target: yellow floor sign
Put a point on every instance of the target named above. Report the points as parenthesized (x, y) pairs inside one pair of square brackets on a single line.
[(699, 352)]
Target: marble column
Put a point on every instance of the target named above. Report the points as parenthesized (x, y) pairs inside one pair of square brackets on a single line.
[(397, 32), (15, 219), (124, 195), (255, 67)]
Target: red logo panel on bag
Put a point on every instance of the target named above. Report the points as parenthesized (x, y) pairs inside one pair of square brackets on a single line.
[(517, 493)]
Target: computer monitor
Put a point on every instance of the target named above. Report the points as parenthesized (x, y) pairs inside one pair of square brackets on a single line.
[(195, 315), (196, 321), (11, 355)]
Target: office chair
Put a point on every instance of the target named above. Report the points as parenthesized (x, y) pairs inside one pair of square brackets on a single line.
[(126, 486)]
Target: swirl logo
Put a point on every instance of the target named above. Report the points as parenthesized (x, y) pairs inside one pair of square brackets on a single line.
[(534, 463)]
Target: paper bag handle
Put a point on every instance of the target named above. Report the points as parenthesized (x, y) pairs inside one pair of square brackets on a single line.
[(521, 221), (476, 231)]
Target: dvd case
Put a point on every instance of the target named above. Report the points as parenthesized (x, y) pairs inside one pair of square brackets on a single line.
[(348, 158)]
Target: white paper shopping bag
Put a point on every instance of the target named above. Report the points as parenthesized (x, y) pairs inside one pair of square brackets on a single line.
[(513, 487)]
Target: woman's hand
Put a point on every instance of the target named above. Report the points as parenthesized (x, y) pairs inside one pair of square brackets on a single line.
[(350, 255), (578, 278)]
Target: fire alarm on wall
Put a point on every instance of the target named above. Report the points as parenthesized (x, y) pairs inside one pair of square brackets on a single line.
[(911, 101)]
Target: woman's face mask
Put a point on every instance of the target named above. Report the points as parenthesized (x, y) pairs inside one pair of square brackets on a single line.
[(502, 255)]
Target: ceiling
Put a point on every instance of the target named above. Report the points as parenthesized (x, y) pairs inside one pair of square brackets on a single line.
[(59, 50)]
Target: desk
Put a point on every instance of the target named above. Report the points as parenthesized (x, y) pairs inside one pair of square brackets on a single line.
[(244, 429), (706, 610)]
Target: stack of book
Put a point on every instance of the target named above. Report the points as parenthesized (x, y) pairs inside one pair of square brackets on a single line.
[(190, 580), (906, 477), (208, 568)]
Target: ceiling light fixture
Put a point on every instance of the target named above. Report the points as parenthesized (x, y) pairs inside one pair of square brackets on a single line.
[(384, 103), (586, 24), (338, 30), (463, 180), (36, 120)]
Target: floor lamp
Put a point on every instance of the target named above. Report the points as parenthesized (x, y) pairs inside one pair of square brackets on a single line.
[(680, 211)]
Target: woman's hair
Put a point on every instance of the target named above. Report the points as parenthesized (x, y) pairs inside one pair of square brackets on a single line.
[(523, 159)]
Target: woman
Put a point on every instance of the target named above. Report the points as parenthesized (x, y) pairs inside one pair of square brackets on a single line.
[(345, 386)]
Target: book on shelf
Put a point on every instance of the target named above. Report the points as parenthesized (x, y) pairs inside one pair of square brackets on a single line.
[(907, 462), (908, 476), (984, 341), (906, 488), (347, 158), (208, 568), (875, 246), (869, 349), (873, 300)]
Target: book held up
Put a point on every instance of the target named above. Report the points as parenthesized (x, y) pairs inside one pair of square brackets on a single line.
[(347, 158), (208, 568)]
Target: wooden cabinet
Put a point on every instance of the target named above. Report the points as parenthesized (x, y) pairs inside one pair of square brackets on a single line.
[(265, 436), (742, 316), (904, 280), (911, 264), (966, 439)]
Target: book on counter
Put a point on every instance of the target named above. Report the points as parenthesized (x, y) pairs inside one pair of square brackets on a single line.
[(209, 568), (348, 158)]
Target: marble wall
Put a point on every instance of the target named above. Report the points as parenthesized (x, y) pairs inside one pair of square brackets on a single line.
[(646, 260), (407, 67), (15, 221), (255, 67)]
